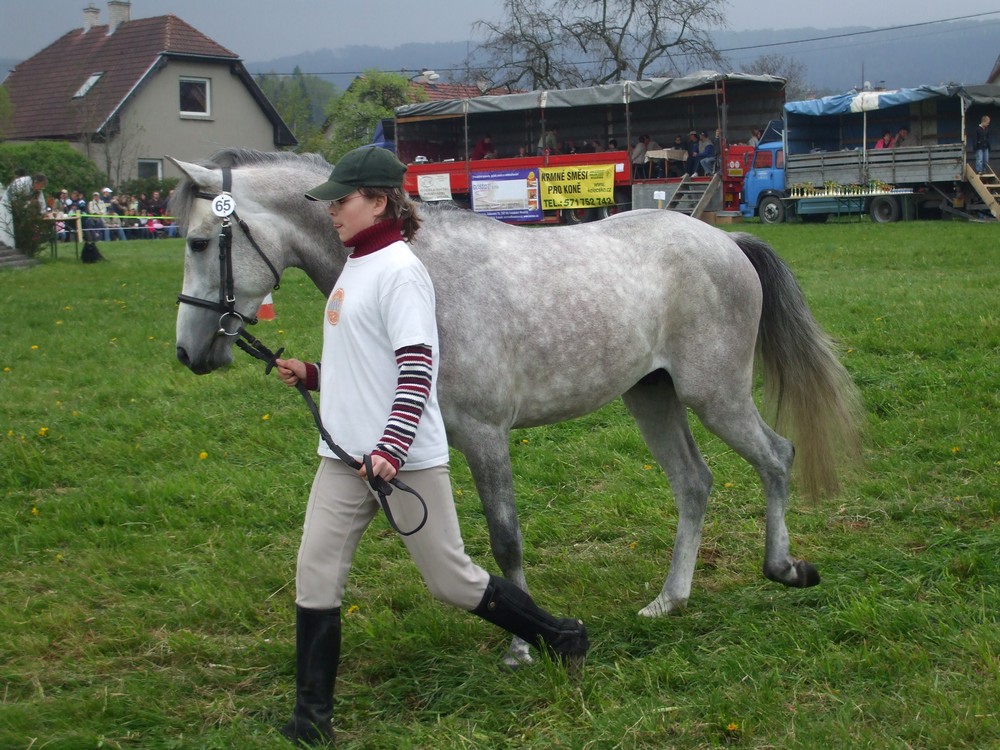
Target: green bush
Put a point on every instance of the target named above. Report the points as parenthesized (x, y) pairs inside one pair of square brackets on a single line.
[(31, 230), (57, 160)]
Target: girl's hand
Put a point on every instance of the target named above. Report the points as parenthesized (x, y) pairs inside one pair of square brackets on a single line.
[(291, 371), (380, 467)]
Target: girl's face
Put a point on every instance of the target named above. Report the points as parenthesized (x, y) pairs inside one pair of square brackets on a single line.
[(354, 213)]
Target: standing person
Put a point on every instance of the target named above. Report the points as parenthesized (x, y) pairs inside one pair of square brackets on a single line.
[(97, 210), (983, 144), (692, 148), (378, 377), (638, 157)]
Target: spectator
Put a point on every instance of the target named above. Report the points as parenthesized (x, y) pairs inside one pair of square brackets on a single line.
[(903, 139), (982, 145), (549, 142), (708, 152), (754, 138), (484, 149), (885, 141), (638, 157), (94, 222), (691, 168)]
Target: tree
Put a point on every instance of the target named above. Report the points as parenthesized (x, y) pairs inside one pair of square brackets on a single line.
[(543, 44), (301, 100), (372, 96), (793, 71)]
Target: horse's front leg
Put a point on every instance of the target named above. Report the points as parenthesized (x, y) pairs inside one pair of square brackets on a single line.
[(489, 461), (662, 420)]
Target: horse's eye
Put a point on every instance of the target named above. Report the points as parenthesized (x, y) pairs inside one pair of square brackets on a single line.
[(198, 245)]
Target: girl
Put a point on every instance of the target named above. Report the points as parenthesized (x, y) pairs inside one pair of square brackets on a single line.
[(378, 380)]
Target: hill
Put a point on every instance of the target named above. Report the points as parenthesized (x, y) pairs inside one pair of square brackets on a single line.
[(839, 59)]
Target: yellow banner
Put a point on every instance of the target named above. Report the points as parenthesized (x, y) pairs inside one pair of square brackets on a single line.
[(578, 187)]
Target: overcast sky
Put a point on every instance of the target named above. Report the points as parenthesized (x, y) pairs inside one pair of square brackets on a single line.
[(261, 30)]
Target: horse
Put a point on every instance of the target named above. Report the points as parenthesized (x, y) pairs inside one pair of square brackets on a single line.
[(543, 324)]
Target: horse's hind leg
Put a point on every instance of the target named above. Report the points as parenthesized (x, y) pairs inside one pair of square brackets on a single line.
[(488, 454), (736, 421), (662, 420)]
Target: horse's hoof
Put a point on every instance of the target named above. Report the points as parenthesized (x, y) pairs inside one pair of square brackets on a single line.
[(807, 574), (660, 606), (517, 655)]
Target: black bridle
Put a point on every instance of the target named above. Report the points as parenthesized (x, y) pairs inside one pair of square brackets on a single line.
[(224, 207)]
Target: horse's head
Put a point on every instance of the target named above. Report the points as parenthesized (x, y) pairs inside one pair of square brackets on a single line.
[(272, 223)]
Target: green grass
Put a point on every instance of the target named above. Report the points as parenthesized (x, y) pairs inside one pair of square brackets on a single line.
[(146, 593)]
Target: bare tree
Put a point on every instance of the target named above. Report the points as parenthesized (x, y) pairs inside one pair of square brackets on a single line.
[(793, 71), (544, 44), (122, 149)]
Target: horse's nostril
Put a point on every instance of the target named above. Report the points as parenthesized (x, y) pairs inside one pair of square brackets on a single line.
[(182, 356)]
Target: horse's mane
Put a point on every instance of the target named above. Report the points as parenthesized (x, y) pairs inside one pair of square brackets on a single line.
[(233, 158)]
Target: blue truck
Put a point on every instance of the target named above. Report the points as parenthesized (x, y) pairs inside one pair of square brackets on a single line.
[(820, 159)]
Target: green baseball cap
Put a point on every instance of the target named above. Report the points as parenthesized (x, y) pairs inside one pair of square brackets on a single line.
[(368, 166)]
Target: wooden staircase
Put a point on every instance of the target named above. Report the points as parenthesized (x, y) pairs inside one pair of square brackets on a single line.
[(987, 186), (693, 197)]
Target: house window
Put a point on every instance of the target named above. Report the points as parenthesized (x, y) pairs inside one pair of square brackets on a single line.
[(150, 169), (196, 97), (87, 85)]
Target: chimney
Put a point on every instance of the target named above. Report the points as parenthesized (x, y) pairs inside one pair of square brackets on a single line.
[(119, 12), (91, 15)]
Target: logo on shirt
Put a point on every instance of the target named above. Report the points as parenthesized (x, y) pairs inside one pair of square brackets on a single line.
[(333, 306)]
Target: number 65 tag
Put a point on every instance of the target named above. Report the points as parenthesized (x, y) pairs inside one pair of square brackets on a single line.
[(223, 205)]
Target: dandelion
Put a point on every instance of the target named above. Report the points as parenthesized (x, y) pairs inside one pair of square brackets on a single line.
[(6, 369), (850, 351), (458, 492), (353, 609), (58, 322), (955, 449), (525, 441), (728, 485), (281, 330), (266, 417), (68, 307), (732, 727), (151, 338), (35, 511), (633, 545), (647, 467), (34, 346), (43, 431), (203, 455)]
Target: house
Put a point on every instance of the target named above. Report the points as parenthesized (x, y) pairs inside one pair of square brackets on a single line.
[(131, 91)]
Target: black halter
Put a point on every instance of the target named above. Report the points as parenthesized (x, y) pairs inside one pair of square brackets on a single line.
[(222, 204), (226, 305)]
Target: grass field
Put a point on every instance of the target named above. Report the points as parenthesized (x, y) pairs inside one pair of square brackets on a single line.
[(150, 520)]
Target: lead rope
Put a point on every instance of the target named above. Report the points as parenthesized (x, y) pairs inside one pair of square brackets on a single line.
[(255, 348)]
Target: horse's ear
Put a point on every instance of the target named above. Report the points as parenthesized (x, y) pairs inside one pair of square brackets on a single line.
[(201, 176)]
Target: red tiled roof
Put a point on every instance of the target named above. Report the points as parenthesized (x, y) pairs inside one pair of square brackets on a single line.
[(439, 92), (42, 87)]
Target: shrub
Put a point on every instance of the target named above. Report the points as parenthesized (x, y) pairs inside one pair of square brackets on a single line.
[(57, 160)]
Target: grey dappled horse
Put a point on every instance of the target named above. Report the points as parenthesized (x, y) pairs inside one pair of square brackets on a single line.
[(539, 325)]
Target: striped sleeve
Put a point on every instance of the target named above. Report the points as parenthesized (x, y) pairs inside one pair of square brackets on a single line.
[(412, 391)]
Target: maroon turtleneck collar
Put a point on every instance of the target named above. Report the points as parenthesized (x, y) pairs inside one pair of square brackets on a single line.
[(378, 235)]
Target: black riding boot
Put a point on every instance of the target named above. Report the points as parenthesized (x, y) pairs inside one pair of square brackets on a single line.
[(507, 606), (317, 652)]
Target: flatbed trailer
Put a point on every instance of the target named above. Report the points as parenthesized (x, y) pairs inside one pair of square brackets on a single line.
[(822, 163)]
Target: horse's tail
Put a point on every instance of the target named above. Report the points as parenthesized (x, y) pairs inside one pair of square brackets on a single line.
[(807, 390)]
